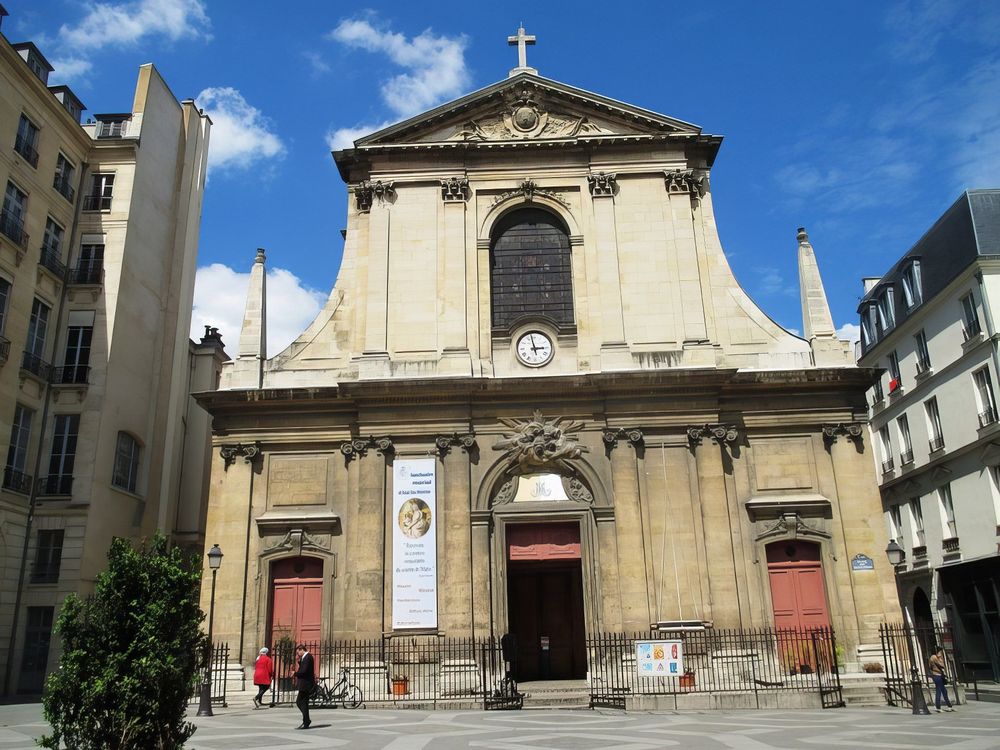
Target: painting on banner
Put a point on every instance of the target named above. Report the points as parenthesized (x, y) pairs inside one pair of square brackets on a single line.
[(414, 544)]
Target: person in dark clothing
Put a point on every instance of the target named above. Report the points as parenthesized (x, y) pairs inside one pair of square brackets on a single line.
[(305, 678)]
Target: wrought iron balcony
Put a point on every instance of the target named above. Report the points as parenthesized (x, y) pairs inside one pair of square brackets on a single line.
[(97, 203), (920, 551), (71, 375), (987, 417), (887, 465), (13, 227), (971, 329), (51, 259), (4, 349), (55, 485), (36, 366), (936, 443), (87, 273), (62, 184), (950, 545), (45, 573), (16, 481), (906, 457), (26, 149)]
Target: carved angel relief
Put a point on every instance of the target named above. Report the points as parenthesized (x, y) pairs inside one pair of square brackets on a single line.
[(524, 117), (538, 444)]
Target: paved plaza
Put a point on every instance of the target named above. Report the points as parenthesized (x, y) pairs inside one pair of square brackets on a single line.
[(972, 727)]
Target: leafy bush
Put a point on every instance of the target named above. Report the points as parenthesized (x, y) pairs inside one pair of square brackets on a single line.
[(131, 654)]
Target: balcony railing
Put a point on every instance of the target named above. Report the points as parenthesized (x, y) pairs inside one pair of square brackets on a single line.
[(920, 551), (923, 365), (887, 465), (950, 545), (87, 273), (26, 149), (16, 481), (97, 203), (13, 227), (71, 375), (906, 457), (45, 573), (52, 260), (971, 329), (55, 485), (935, 444), (4, 349), (36, 366), (987, 417), (62, 184)]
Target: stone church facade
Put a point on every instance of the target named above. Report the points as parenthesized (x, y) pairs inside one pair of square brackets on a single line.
[(538, 401)]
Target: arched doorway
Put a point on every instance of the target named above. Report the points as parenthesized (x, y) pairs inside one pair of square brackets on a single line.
[(296, 600), (530, 269), (798, 596)]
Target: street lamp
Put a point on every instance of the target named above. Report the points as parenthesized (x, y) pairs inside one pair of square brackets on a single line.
[(205, 706), (897, 555)]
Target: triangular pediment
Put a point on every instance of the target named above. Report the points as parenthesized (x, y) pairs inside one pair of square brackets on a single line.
[(528, 108)]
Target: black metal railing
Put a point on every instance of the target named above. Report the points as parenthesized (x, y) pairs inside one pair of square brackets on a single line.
[(13, 227), (936, 443), (36, 366), (55, 485), (888, 465), (906, 652), (63, 184), (16, 480), (26, 149), (87, 273), (97, 203), (950, 545), (4, 349), (426, 670), (923, 365), (971, 329), (71, 375), (51, 259), (750, 662), (906, 457), (217, 660), (987, 417)]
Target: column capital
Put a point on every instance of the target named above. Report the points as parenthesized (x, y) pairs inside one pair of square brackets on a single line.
[(852, 430), (686, 181), (455, 190), (251, 453), (358, 447), (367, 191), (444, 443), (603, 184), (612, 435), (722, 434)]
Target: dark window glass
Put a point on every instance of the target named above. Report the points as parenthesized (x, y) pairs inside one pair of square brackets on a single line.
[(126, 471), (48, 556)]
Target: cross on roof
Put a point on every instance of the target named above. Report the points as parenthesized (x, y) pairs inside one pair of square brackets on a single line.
[(522, 40)]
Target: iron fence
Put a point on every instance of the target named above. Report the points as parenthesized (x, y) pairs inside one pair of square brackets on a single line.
[(906, 651), (408, 669), (217, 662), (759, 660)]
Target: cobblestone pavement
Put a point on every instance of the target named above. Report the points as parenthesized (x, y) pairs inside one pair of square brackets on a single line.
[(974, 726)]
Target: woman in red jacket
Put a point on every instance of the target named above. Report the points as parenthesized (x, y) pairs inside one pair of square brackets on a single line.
[(263, 673)]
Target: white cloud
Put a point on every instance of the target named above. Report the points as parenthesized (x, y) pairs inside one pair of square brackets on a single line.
[(435, 64), (849, 332), (241, 135), (220, 296), (339, 138), (773, 282), (317, 63), (129, 23), (70, 68)]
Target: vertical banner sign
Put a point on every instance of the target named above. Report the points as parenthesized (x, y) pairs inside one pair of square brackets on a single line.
[(414, 543)]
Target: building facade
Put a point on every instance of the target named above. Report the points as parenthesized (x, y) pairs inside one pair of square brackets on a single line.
[(537, 401), (98, 245), (929, 325)]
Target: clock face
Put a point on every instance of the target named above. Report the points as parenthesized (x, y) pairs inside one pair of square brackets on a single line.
[(534, 348)]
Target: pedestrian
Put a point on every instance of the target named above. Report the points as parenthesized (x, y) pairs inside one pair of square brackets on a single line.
[(305, 677), (263, 674), (937, 666)]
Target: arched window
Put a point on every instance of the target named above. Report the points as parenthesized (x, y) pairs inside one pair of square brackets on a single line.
[(126, 471), (530, 269)]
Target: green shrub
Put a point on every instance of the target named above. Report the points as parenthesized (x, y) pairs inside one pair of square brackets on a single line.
[(131, 654)]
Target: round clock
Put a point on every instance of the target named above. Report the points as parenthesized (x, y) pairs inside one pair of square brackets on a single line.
[(534, 349)]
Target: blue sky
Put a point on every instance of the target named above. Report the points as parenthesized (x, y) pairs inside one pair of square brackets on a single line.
[(862, 121)]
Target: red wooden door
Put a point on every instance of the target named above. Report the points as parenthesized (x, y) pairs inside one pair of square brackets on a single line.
[(297, 600), (798, 595)]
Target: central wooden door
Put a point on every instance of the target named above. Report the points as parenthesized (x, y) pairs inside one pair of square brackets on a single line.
[(297, 600), (798, 595)]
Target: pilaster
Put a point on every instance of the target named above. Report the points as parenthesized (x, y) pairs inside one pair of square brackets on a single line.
[(614, 350), (452, 302)]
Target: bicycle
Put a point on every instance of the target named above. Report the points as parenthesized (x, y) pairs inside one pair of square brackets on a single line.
[(343, 691)]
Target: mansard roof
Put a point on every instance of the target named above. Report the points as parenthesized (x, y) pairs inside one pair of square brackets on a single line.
[(528, 110)]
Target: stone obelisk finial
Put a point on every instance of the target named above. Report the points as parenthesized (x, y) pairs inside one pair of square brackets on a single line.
[(252, 350), (816, 317)]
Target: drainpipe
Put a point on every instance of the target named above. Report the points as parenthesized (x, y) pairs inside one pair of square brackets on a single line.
[(46, 402)]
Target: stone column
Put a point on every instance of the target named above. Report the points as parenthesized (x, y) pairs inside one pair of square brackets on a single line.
[(634, 575), (452, 303), (378, 196), (614, 350), (480, 574)]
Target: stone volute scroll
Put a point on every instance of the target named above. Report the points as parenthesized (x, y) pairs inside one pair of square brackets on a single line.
[(723, 434), (444, 443), (632, 435), (851, 430), (250, 452), (359, 447), (538, 444)]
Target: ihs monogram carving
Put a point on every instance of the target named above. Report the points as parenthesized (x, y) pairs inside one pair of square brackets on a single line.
[(538, 444), (367, 191)]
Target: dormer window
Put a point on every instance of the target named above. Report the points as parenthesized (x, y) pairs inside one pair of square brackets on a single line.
[(869, 326), (69, 101), (36, 62), (112, 126), (910, 281), (885, 318)]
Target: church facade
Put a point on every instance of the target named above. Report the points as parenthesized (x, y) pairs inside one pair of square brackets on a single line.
[(537, 401)]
